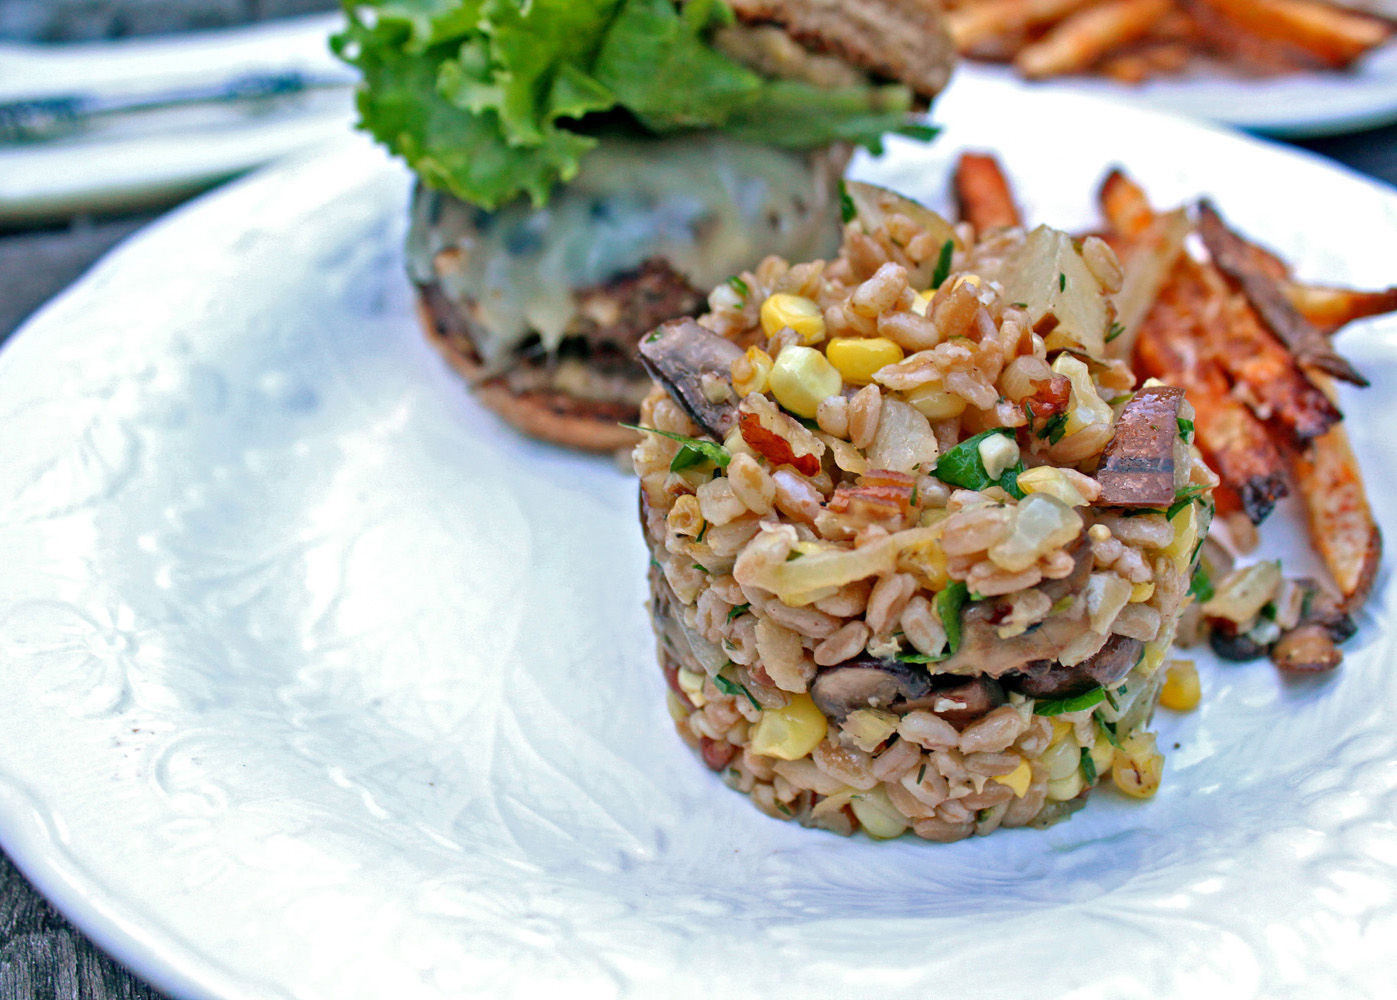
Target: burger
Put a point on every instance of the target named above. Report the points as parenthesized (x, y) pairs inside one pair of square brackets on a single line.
[(585, 167)]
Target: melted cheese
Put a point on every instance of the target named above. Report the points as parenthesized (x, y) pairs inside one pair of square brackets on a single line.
[(709, 205)]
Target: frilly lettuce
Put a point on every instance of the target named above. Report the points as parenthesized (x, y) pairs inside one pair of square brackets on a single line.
[(494, 99)]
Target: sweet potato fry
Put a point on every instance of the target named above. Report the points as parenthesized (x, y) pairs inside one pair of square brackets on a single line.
[(1077, 42), (1232, 255), (1124, 205), (1172, 348), (975, 24), (1275, 386), (1329, 308), (982, 192), (1341, 523), (1332, 34)]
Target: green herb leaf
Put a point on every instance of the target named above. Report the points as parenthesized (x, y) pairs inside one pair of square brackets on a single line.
[(1185, 497), (963, 467), (740, 287), (701, 568), (738, 611), (702, 531), (1061, 282), (943, 264), (733, 689), (1201, 586), (1054, 429), (694, 452), (1115, 331), (1110, 696), (1088, 767), (654, 336), (921, 773), (1057, 706), (1061, 604), (847, 209), (948, 605), (1124, 397), (914, 495), (1108, 729), (919, 657)]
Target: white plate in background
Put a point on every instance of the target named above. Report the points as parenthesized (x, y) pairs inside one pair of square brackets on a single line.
[(1296, 106), (321, 683)]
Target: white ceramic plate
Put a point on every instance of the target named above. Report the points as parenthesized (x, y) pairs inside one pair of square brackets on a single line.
[(319, 683), (1298, 106)]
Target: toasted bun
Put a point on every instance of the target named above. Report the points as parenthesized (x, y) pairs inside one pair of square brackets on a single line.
[(904, 40), (592, 425)]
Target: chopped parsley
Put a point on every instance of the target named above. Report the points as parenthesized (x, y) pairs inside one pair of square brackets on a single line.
[(1185, 429), (1185, 497), (962, 466), (1058, 706), (1054, 429), (695, 451), (654, 336), (1124, 397), (943, 264), (921, 773), (1116, 330), (1201, 586), (1108, 729), (1088, 767), (740, 287), (847, 209), (701, 568), (738, 611), (948, 605), (1061, 282), (919, 658), (734, 689)]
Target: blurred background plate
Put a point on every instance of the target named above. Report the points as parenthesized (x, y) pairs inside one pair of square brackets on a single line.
[(124, 162), (1302, 105)]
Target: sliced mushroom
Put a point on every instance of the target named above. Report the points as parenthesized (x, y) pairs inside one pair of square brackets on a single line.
[(1050, 679), (864, 682), (1308, 649), (1137, 467), (679, 354)]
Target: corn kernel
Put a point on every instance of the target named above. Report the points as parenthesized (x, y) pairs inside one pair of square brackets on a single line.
[(998, 454), (1068, 787), (922, 301), (934, 403), (1141, 592), (678, 711), (877, 814), (801, 378), (751, 371), (1154, 656), (857, 358), (1054, 482), (973, 280), (1137, 766), (692, 685), (1018, 779), (797, 312), (1186, 526), (869, 727), (1181, 691), (1062, 757), (927, 562), (1102, 753), (791, 732)]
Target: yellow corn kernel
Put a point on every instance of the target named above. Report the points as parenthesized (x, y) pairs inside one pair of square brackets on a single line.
[(1137, 766), (922, 301), (795, 311), (857, 358), (927, 563), (1066, 788), (751, 371), (1102, 753), (791, 732), (1062, 757), (1186, 525), (802, 378), (678, 711), (973, 280), (1018, 779), (877, 814), (685, 518), (692, 684), (1054, 482), (1181, 691), (1141, 592), (935, 403), (1154, 656)]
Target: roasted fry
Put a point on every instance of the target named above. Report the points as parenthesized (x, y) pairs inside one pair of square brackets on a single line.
[(973, 25), (1233, 256), (1124, 205), (982, 193), (1329, 33), (1084, 37), (1342, 528), (1329, 308), (1172, 348)]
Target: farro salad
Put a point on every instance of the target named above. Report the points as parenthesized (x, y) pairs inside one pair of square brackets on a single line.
[(919, 544)]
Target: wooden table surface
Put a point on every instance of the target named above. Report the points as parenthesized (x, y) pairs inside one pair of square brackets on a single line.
[(41, 954)]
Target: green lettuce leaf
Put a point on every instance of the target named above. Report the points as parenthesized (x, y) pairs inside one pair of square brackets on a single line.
[(496, 99)]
